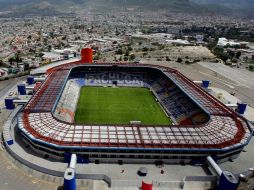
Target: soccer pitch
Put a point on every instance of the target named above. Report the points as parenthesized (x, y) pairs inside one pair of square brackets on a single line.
[(107, 105)]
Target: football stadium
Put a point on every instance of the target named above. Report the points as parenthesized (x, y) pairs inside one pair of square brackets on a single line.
[(131, 113)]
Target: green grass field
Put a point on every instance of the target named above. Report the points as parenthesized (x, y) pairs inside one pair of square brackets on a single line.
[(106, 105)]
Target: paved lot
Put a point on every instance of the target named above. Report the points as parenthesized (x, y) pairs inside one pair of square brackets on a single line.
[(240, 76), (243, 162), (11, 178), (129, 171), (7, 85)]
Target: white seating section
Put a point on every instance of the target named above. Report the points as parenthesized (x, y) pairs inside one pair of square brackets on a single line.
[(219, 130), (66, 106)]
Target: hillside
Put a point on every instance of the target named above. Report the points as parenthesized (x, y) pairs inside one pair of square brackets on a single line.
[(236, 3), (22, 7), (54, 7), (229, 7)]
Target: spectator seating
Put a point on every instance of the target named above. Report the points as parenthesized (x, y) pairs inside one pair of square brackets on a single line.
[(176, 103), (66, 106)]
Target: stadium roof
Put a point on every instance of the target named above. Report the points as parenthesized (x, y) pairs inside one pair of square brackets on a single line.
[(43, 69)]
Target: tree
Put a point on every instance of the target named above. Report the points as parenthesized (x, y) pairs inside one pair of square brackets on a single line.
[(119, 51), (49, 48), (31, 50), (237, 46), (162, 47), (168, 59), (18, 59), (132, 56), (245, 59), (77, 38), (145, 49), (64, 37), (231, 54), (234, 60), (219, 52), (251, 68), (212, 44), (179, 60), (96, 57), (45, 40), (117, 33), (125, 58), (155, 44), (130, 48), (238, 54), (26, 66), (127, 53), (11, 60), (41, 55)]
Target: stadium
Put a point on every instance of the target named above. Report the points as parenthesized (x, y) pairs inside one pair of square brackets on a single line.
[(129, 113)]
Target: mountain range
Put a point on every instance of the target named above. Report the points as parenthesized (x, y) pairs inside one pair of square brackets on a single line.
[(229, 7), (53, 7)]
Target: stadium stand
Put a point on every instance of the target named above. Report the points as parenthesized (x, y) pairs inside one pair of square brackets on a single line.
[(66, 106), (169, 95), (205, 126)]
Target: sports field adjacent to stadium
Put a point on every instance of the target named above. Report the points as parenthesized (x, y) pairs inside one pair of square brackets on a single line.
[(107, 105)]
